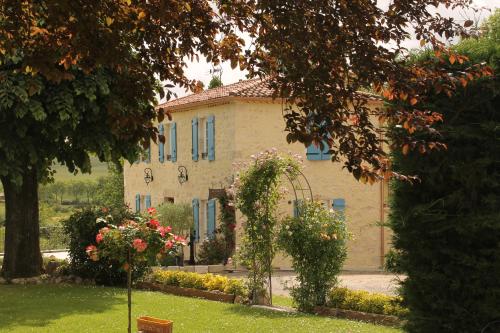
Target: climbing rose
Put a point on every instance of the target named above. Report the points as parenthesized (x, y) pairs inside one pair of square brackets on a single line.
[(139, 245)]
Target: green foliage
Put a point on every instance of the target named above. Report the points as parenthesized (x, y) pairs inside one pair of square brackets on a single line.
[(316, 241), (215, 82), (110, 189), (179, 216), (446, 228), (82, 227), (210, 282), (257, 192), (360, 300), (213, 250)]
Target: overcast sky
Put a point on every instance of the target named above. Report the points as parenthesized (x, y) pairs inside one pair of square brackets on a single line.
[(201, 70)]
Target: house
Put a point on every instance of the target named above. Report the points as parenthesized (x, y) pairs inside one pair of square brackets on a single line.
[(212, 130)]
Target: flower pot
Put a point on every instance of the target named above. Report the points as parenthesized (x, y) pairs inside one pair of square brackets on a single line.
[(154, 325)]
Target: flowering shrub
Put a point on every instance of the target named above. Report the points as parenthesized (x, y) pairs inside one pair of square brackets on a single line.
[(257, 192), (201, 281), (316, 241), (137, 239)]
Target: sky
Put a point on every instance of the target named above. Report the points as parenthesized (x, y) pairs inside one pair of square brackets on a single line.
[(201, 70)]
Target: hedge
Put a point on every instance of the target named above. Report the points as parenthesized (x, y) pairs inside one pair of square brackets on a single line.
[(358, 300), (208, 282)]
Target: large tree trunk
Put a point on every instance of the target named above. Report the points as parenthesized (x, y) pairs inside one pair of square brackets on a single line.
[(22, 231)]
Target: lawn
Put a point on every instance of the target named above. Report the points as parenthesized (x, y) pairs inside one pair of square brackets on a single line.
[(75, 309)]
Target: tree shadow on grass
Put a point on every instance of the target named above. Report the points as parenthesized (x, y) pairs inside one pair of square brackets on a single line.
[(38, 305), (244, 310)]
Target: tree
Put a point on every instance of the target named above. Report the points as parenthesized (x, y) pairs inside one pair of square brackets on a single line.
[(78, 77), (446, 225), (215, 82), (110, 189)]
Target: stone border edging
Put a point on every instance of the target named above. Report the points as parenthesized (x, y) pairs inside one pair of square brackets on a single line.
[(189, 292), (373, 318)]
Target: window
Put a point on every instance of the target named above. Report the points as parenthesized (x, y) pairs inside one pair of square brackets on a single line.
[(315, 153), (173, 142), (203, 138)]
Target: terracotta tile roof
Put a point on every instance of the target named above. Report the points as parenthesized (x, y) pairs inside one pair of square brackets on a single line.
[(254, 88)]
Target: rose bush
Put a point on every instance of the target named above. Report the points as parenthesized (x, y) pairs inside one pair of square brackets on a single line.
[(137, 239), (133, 240)]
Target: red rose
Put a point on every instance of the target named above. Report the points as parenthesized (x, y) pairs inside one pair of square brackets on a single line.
[(152, 211), (98, 238), (139, 245), (154, 224)]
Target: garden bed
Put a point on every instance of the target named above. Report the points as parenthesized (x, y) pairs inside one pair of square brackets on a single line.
[(188, 292)]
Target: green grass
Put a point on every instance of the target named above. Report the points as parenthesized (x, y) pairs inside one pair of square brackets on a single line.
[(75, 309), (282, 301)]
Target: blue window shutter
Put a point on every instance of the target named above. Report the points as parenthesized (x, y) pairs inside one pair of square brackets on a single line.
[(194, 136), (339, 206), (211, 138), (211, 218), (313, 153), (161, 145), (196, 218), (173, 142), (325, 152), (137, 203), (148, 201)]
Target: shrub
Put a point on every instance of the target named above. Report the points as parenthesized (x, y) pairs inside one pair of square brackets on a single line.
[(213, 251), (446, 225), (81, 228), (316, 241), (358, 300), (209, 282)]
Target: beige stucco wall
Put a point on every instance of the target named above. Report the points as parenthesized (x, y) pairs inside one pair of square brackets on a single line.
[(242, 129)]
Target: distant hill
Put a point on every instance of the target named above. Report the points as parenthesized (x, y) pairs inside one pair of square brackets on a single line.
[(99, 169)]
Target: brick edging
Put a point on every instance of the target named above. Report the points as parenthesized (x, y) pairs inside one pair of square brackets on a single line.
[(374, 318), (188, 292)]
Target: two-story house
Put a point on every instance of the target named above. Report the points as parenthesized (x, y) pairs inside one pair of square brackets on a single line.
[(212, 130)]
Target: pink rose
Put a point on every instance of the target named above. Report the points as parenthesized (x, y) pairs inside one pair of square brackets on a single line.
[(104, 230), (169, 245), (98, 238), (163, 231), (168, 229), (139, 245)]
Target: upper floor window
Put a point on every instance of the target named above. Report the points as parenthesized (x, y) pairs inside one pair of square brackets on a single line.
[(167, 150), (315, 153), (203, 138)]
